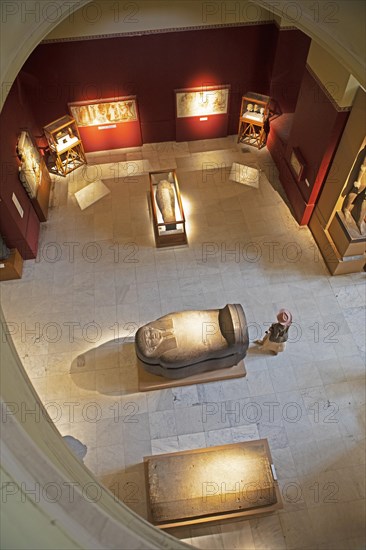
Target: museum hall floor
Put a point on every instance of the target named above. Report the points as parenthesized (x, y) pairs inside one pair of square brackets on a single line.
[(99, 276)]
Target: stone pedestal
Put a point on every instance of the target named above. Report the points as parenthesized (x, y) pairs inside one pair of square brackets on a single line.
[(342, 246)]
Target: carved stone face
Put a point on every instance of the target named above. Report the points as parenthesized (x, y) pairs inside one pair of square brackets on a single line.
[(152, 338), (156, 338)]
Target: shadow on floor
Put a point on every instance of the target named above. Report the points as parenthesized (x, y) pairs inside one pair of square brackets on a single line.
[(109, 369)]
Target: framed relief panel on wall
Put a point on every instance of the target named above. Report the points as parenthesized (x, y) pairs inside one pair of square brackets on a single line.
[(33, 174), (203, 101), (297, 164), (104, 112), (30, 173), (202, 112), (109, 123)]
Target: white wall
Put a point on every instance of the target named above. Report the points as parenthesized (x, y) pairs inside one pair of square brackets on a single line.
[(104, 17)]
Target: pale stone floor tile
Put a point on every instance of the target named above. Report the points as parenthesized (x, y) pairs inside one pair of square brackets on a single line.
[(211, 393), (284, 463), (218, 420), (296, 530), (164, 445), (352, 423), (300, 430), (358, 391), (244, 433), (162, 424), (192, 421), (307, 375), (185, 396), (98, 277), (233, 390), (276, 435), (292, 494), (283, 379), (267, 533), (161, 400), (331, 371), (328, 523), (341, 394), (85, 432), (110, 459), (207, 537), (324, 416), (219, 437), (191, 441), (237, 536), (259, 383)]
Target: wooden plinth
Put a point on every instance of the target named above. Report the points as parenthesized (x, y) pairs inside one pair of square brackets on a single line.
[(12, 267), (213, 484), (170, 238), (252, 133), (149, 381)]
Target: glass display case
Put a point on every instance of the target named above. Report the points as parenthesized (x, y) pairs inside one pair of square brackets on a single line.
[(33, 174), (253, 119), (30, 173), (65, 145), (167, 209)]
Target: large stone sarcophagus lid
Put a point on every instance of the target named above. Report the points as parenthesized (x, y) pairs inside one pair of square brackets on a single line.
[(185, 343)]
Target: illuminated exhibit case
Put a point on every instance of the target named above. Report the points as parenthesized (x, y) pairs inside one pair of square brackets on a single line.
[(167, 209), (30, 164), (202, 112), (33, 174), (108, 123), (253, 119), (65, 145)]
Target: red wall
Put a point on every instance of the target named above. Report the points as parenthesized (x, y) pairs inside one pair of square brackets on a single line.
[(191, 128), (124, 134), (18, 232), (288, 68), (150, 67), (316, 130)]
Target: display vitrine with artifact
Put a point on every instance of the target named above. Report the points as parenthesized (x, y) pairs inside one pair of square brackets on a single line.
[(167, 209), (65, 146), (254, 119), (33, 174), (30, 164), (354, 204), (347, 229)]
